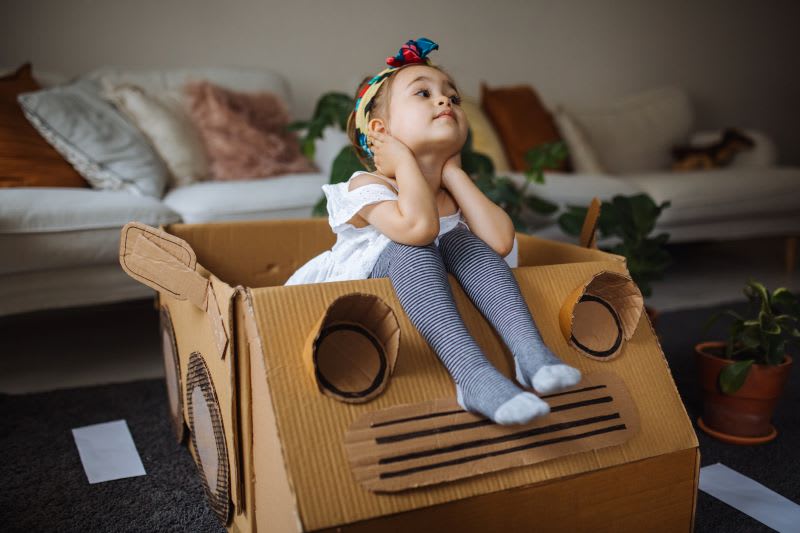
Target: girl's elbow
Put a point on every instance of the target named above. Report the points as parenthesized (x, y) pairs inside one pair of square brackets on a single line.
[(429, 236), (505, 248), (423, 234)]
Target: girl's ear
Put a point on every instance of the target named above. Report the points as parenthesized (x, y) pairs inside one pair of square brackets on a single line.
[(377, 124)]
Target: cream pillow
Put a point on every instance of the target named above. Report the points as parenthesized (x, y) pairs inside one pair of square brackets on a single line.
[(584, 160), (163, 118), (637, 133), (484, 138)]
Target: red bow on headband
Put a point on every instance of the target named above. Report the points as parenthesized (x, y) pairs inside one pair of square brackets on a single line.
[(412, 52)]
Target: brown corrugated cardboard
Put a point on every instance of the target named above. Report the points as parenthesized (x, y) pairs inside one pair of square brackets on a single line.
[(421, 444), (285, 439)]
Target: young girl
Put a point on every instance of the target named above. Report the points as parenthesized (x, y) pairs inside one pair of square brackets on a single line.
[(420, 216)]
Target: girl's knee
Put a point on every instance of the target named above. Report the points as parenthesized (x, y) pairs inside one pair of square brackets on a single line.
[(460, 234), (411, 251)]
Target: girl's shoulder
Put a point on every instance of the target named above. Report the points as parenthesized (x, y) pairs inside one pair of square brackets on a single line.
[(361, 178)]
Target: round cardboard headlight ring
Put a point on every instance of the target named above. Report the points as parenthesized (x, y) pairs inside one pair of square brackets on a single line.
[(600, 315), (352, 349)]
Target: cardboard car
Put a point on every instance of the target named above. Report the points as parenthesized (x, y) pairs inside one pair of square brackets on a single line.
[(320, 407)]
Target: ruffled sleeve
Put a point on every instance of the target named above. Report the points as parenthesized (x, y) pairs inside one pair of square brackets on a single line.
[(344, 204)]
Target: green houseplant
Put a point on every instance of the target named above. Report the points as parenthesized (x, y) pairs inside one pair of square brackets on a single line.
[(333, 109), (632, 219), (743, 377)]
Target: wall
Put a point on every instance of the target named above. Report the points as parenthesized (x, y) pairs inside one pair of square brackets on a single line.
[(736, 59)]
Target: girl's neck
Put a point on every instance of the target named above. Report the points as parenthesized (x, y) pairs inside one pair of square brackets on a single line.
[(431, 166)]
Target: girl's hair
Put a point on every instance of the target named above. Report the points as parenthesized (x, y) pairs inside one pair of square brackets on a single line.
[(380, 109)]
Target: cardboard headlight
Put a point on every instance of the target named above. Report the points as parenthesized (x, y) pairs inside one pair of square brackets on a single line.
[(353, 347), (601, 314)]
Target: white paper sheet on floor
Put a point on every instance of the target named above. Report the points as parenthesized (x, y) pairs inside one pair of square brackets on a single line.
[(107, 451), (750, 497)]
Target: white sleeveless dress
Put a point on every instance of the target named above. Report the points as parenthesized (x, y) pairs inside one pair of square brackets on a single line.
[(357, 249)]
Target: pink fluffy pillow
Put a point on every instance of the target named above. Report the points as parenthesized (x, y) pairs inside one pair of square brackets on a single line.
[(244, 133)]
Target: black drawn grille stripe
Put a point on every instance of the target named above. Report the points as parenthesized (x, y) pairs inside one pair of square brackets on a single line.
[(496, 440), (479, 423), (538, 444), (456, 411)]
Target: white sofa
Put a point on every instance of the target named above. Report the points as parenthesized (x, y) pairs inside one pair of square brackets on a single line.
[(58, 247)]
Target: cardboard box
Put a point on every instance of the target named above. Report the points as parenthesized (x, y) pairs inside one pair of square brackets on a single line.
[(278, 387)]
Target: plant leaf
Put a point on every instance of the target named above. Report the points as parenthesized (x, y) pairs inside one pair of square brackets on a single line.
[(732, 377), (759, 293), (768, 324), (782, 296)]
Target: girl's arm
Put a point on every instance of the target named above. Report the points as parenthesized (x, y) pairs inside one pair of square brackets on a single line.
[(486, 219), (413, 219)]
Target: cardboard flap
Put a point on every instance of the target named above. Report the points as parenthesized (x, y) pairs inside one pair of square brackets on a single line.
[(588, 238), (163, 262), (422, 444)]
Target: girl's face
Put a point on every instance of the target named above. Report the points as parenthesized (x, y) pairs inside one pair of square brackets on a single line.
[(420, 94)]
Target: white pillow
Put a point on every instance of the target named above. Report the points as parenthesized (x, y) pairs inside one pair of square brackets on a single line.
[(763, 154), (584, 160), (637, 133), (164, 120), (328, 147), (102, 146)]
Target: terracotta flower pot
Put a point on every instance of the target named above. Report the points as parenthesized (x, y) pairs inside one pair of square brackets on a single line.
[(743, 417)]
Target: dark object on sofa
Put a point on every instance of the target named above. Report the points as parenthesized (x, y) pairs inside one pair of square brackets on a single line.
[(719, 154)]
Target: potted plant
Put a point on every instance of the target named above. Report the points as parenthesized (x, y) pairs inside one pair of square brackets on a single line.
[(504, 192), (742, 378), (333, 109), (631, 219)]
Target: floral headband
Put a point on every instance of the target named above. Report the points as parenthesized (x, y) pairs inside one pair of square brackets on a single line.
[(410, 53)]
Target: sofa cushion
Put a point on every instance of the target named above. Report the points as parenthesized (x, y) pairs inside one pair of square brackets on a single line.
[(289, 196), (327, 149), (637, 133), (722, 194), (570, 189), (582, 156), (484, 137), (95, 138), (521, 121), (233, 78), (245, 134), (165, 121), (577, 189), (26, 159), (47, 228)]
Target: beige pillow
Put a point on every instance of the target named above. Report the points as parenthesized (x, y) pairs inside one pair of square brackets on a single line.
[(484, 138), (584, 159), (165, 121), (636, 133)]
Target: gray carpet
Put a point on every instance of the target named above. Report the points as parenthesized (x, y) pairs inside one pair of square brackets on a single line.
[(45, 489)]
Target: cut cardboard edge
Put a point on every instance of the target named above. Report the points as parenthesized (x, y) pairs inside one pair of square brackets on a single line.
[(588, 237), (259, 384), (622, 300), (168, 264), (348, 312), (162, 262)]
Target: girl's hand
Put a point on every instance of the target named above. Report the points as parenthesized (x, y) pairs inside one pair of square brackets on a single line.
[(389, 153), (451, 168)]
